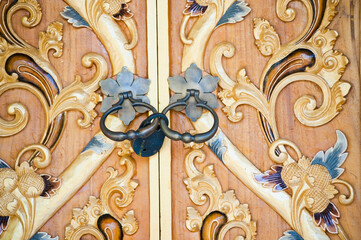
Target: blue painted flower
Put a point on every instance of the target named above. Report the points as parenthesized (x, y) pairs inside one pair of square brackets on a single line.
[(193, 80), (291, 235), (317, 175), (272, 178), (196, 8), (124, 82)]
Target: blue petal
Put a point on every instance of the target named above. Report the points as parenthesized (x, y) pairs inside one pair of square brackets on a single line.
[(140, 86), (43, 236), (291, 235), (74, 17), (108, 102), (235, 13), (209, 83), (125, 79), (192, 111), (127, 113), (3, 164), (334, 156), (109, 87), (210, 98), (143, 99), (193, 74), (272, 178), (177, 84)]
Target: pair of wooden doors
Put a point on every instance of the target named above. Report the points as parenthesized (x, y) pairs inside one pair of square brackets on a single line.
[(284, 164)]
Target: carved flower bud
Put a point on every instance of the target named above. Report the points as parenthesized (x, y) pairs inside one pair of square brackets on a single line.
[(318, 176), (31, 185), (316, 200), (292, 174), (114, 6), (8, 204), (8, 180)]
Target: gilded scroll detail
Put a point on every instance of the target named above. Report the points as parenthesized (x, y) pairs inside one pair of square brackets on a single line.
[(46, 81), (29, 194), (309, 57), (324, 69), (224, 208), (117, 191)]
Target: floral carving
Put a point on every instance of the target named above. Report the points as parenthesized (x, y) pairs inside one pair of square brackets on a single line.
[(118, 9), (193, 80), (124, 82), (313, 184), (89, 219), (18, 190), (51, 39), (267, 40), (196, 8)]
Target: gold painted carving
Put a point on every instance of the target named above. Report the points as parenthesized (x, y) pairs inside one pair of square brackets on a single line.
[(98, 14), (208, 19), (20, 187), (309, 57), (18, 61), (82, 96), (205, 187), (312, 185), (326, 73), (79, 96), (85, 220), (47, 40)]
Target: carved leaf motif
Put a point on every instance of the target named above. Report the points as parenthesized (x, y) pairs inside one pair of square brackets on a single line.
[(86, 217), (205, 187), (324, 39), (51, 39), (52, 185), (235, 13), (129, 223), (74, 17), (3, 46), (334, 65), (43, 236), (194, 220), (267, 40)]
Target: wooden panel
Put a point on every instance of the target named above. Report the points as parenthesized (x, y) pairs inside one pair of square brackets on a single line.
[(77, 42), (247, 136)]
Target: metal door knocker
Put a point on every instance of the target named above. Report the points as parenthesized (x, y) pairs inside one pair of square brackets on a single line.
[(126, 96)]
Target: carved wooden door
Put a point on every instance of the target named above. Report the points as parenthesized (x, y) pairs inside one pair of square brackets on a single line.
[(283, 161)]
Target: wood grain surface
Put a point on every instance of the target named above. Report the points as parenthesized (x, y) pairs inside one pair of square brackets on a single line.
[(77, 42), (246, 135)]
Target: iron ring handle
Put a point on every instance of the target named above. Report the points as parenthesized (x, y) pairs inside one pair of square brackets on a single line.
[(187, 137), (131, 134)]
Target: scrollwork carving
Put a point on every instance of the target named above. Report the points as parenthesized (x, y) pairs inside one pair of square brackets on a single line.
[(98, 213), (51, 39), (224, 208), (309, 57), (267, 40)]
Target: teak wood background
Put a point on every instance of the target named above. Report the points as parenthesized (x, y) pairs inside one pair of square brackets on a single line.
[(246, 134)]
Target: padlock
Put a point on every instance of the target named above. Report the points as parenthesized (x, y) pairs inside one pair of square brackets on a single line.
[(148, 146)]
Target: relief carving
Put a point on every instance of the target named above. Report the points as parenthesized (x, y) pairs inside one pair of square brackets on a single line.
[(224, 211)]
